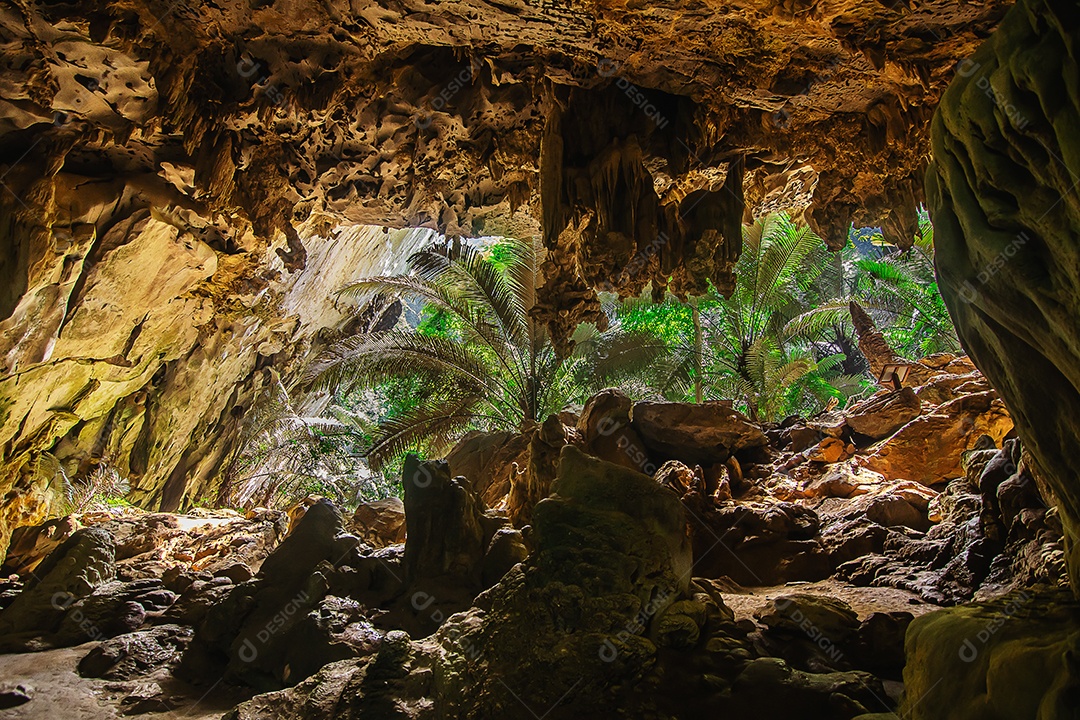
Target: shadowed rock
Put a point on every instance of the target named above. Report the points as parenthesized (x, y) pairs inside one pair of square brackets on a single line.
[(72, 571)]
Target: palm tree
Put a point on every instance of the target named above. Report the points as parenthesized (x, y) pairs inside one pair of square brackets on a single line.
[(487, 365), (898, 289), (735, 347), (294, 444)]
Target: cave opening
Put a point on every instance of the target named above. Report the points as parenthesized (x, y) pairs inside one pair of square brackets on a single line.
[(481, 360)]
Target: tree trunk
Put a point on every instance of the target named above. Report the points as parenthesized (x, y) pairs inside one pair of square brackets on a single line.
[(697, 351)]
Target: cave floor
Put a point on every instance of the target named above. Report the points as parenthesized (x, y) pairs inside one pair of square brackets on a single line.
[(59, 693), (745, 601)]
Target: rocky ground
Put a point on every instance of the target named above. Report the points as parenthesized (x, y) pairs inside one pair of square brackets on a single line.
[(634, 560)]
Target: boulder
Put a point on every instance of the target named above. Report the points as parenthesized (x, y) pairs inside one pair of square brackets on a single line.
[(829, 450), (379, 523), (608, 434), (832, 424), (72, 571), (446, 533), (828, 618), (533, 485), (136, 653), (506, 549), (30, 544), (114, 608), (880, 416), (490, 461), (843, 480), (756, 544), (969, 551), (1012, 657), (705, 433), (928, 449), (249, 634)]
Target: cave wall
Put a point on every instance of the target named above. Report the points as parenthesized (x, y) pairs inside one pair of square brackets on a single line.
[(1003, 195), (177, 177), (145, 348)]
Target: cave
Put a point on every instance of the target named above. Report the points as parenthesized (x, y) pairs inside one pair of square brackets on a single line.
[(228, 231)]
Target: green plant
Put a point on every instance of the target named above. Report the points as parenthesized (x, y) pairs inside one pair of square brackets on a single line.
[(480, 358), (898, 288), (288, 450), (737, 347)]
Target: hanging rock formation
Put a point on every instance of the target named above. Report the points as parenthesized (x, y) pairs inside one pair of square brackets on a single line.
[(182, 182)]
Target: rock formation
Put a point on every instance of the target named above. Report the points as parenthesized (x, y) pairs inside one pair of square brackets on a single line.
[(183, 185), (1002, 193), (615, 593)]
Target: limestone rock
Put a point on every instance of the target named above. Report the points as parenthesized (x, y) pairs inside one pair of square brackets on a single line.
[(927, 449), (757, 543), (707, 433), (446, 534), (994, 261), (1010, 657), (882, 415), (530, 487), (843, 480), (250, 632), (113, 609), (31, 544), (829, 450), (490, 461), (134, 654), (72, 571), (379, 523), (968, 553), (608, 434)]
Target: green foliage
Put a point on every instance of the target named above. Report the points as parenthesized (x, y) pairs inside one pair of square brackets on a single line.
[(739, 347), (898, 288), (288, 450), (781, 344), (480, 358), (102, 488)]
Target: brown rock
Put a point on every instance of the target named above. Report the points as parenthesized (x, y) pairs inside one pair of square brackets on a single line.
[(446, 533), (678, 477), (803, 437), (701, 434), (490, 461), (530, 487), (829, 450), (31, 544), (843, 481), (608, 434), (882, 415), (928, 449), (830, 423), (380, 523)]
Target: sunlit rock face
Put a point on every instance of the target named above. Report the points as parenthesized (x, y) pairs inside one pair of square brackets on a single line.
[(1005, 203), (150, 351), (179, 179)]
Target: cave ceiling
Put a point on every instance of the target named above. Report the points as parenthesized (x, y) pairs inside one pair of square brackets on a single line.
[(186, 184), (635, 136)]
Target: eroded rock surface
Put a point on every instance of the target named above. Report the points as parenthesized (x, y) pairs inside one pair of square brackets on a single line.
[(1002, 194), (184, 183), (1011, 657)]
